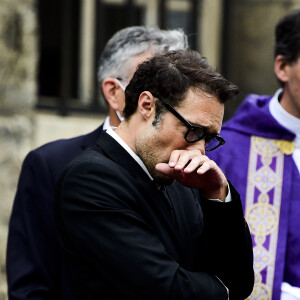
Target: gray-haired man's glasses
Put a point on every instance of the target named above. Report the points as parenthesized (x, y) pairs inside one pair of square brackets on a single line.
[(195, 133)]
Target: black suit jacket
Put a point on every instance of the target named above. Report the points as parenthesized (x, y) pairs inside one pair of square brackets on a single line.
[(124, 238), (33, 261)]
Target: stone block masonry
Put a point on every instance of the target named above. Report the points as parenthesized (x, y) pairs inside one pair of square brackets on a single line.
[(18, 71)]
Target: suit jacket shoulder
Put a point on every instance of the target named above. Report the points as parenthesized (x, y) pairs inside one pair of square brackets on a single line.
[(33, 261), (59, 153)]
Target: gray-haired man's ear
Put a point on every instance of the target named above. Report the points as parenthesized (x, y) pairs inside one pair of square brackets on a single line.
[(113, 93), (115, 96)]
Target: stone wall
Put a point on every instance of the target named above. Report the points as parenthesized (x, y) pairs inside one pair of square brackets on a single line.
[(18, 62), (249, 43)]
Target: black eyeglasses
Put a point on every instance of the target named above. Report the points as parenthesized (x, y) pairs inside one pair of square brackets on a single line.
[(195, 133)]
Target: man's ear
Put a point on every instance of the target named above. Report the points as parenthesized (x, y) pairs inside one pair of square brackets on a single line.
[(146, 105), (281, 68), (111, 91)]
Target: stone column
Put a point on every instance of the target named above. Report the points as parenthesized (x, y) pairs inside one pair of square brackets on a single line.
[(211, 30), (87, 47), (18, 88)]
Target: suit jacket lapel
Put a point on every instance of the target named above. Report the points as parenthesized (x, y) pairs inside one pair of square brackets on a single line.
[(152, 195), (113, 150)]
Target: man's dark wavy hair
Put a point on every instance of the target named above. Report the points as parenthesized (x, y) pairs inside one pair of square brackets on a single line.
[(287, 35), (169, 76)]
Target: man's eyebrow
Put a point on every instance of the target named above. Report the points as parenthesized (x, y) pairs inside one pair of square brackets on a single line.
[(199, 125), (208, 129)]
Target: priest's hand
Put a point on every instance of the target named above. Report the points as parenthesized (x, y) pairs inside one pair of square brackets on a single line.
[(196, 170)]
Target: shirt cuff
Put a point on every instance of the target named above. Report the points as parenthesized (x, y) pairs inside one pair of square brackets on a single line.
[(228, 197)]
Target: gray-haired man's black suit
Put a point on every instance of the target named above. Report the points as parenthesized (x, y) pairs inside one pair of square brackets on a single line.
[(125, 238)]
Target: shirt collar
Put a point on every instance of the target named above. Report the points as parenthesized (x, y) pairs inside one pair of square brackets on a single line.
[(282, 116), (113, 134), (106, 124)]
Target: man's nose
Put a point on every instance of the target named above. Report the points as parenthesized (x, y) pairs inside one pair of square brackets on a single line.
[(200, 145)]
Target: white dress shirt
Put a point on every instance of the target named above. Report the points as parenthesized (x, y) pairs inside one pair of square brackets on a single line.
[(106, 124)]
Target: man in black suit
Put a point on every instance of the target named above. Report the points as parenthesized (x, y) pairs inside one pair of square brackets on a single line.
[(34, 267), (145, 214)]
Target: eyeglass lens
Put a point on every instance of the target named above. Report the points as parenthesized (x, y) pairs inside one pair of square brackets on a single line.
[(213, 142), (195, 134)]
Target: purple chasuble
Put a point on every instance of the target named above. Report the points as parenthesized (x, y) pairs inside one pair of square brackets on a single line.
[(255, 159), (292, 266)]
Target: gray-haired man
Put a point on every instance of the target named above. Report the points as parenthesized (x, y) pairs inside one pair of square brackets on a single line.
[(34, 267)]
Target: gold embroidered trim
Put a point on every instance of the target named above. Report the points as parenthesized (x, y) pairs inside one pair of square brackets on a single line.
[(286, 147), (262, 213)]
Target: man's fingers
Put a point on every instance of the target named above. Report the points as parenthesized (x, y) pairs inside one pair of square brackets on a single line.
[(183, 159), (164, 169), (174, 158), (193, 165), (204, 168), (187, 160)]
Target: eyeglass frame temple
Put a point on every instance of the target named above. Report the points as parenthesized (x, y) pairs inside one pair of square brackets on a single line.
[(176, 113)]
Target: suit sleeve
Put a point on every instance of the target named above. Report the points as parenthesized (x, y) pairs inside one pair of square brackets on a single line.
[(31, 250), (97, 221), (230, 244)]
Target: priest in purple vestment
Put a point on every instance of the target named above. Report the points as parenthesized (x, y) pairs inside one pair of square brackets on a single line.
[(261, 157)]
